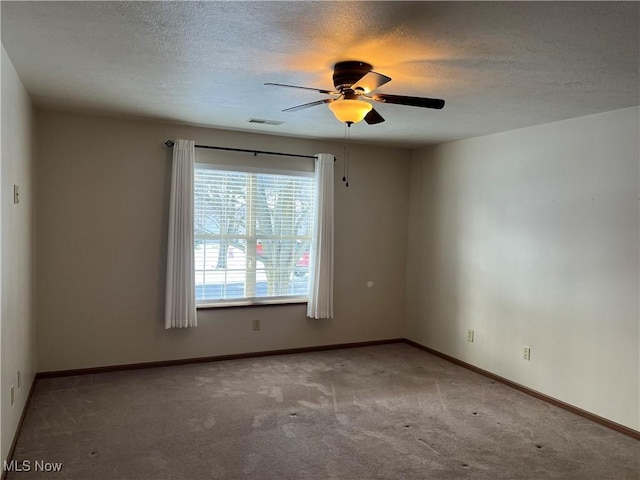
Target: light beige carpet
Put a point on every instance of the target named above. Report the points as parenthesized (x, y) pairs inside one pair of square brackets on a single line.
[(388, 412)]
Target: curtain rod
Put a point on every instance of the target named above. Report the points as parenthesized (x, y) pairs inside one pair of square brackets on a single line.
[(169, 143)]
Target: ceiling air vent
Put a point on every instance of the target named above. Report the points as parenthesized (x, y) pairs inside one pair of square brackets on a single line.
[(264, 122)]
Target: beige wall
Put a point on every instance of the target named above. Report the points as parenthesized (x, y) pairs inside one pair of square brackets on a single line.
[(17, 243), (531, 238), (103, 189)]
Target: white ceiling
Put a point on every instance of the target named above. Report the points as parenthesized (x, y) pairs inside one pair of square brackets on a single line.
[(499, 66)]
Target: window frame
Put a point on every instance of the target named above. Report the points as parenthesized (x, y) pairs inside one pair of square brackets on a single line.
[(254, 301)]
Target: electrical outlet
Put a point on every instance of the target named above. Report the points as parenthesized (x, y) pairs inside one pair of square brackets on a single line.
[(526, 353), (13, 395), (469, 335), (256, 323)]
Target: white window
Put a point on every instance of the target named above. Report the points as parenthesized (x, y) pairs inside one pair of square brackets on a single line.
[(252, 235)]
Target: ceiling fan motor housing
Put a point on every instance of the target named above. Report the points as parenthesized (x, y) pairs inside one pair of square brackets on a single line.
[(345, 74)]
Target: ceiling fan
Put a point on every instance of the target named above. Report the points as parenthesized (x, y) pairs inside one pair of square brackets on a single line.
[(354, 81)]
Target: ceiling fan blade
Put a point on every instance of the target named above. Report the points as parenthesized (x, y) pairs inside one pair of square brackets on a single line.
[(370, 82), (307, 105), (411, 101), (319, 90), (373, 117)]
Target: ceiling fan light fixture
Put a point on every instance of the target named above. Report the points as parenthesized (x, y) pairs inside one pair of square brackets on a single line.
[(350, 111)]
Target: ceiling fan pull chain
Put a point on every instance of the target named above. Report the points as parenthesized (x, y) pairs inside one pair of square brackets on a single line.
[(348, 153), (344, 156), (344, 165)]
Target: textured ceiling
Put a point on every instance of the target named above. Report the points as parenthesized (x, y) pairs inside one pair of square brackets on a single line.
[(499, 66)]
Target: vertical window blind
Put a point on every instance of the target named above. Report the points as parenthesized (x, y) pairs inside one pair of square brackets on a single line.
[(252, 233)]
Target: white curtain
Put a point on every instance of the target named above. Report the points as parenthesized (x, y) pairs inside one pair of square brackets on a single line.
[(180, 302), (320, 303)]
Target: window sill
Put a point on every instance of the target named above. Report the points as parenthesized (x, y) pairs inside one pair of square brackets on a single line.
[(243, 303)]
